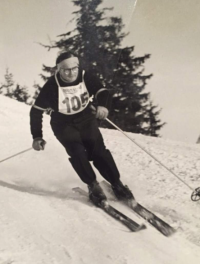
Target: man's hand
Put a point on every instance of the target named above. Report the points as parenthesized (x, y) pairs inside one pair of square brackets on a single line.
[(38, 144), (101, 112)]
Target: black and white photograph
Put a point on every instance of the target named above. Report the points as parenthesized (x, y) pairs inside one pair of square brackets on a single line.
[(100, 132)]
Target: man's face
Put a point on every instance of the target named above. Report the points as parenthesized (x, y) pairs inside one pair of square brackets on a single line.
[(69, 69)]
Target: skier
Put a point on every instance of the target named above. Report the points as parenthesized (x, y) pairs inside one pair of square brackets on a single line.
[(67, 97)]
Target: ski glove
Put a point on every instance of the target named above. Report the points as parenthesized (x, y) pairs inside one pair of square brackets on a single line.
[(101, 112), (38, 144)]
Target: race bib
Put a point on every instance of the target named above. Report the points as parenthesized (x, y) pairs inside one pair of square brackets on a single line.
[(73, 99)]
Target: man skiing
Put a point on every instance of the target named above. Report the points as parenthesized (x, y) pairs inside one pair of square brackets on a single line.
[(67, 96)]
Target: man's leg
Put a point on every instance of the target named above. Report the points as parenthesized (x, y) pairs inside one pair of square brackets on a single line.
[(103, 160), (69, 137), (97, 152)]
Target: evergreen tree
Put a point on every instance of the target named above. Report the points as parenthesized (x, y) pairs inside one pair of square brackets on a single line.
[(97, 41), (152, 120), (7, 87), (20, 93)]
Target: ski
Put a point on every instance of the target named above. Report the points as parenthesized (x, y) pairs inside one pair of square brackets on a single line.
[(110, 210), (152, 219), (146, 214)]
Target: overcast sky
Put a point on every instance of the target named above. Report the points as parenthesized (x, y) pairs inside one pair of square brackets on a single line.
[(168, 30)]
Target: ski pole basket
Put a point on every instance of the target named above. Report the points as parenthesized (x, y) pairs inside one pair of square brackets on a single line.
[(196, 195)]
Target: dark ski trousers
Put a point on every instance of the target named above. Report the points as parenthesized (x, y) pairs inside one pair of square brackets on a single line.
[(84, 143)]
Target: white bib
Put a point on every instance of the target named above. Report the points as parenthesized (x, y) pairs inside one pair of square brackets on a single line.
[(72, 99)]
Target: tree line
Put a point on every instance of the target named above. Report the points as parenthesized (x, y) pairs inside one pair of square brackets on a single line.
[(97, 41), (16, 91)]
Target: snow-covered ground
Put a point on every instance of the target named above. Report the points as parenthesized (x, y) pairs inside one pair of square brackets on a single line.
[(42, 221)]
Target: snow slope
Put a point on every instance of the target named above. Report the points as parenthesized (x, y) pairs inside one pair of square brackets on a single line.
[(42, 221)]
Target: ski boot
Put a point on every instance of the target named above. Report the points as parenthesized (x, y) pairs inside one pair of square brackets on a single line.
[(96, 194), (122, 192)]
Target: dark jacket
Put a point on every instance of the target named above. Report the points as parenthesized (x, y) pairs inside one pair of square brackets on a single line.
[(48, 99)]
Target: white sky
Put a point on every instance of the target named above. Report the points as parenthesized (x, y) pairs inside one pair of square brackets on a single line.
[(169, 30)]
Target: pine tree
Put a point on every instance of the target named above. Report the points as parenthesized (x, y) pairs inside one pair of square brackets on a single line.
[(97, 41), (152, 120), (20, 93), (129, 97), (7, 87)]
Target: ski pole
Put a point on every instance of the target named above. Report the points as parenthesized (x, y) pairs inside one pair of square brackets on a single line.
[(15, 155), (196, 191)]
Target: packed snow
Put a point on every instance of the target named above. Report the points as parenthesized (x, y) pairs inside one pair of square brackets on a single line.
[(42, 221)]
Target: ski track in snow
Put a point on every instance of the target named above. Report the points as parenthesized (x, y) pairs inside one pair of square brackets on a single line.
[(42, 221)]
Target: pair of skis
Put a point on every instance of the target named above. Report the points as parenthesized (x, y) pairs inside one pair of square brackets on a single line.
[(140, 210), (125, 220)]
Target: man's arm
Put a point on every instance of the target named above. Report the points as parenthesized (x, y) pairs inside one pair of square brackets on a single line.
[(36, 112), (101, 93), (103, 97), (36, 118)]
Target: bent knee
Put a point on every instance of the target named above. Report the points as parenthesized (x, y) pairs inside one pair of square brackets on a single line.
[(76, 151)]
